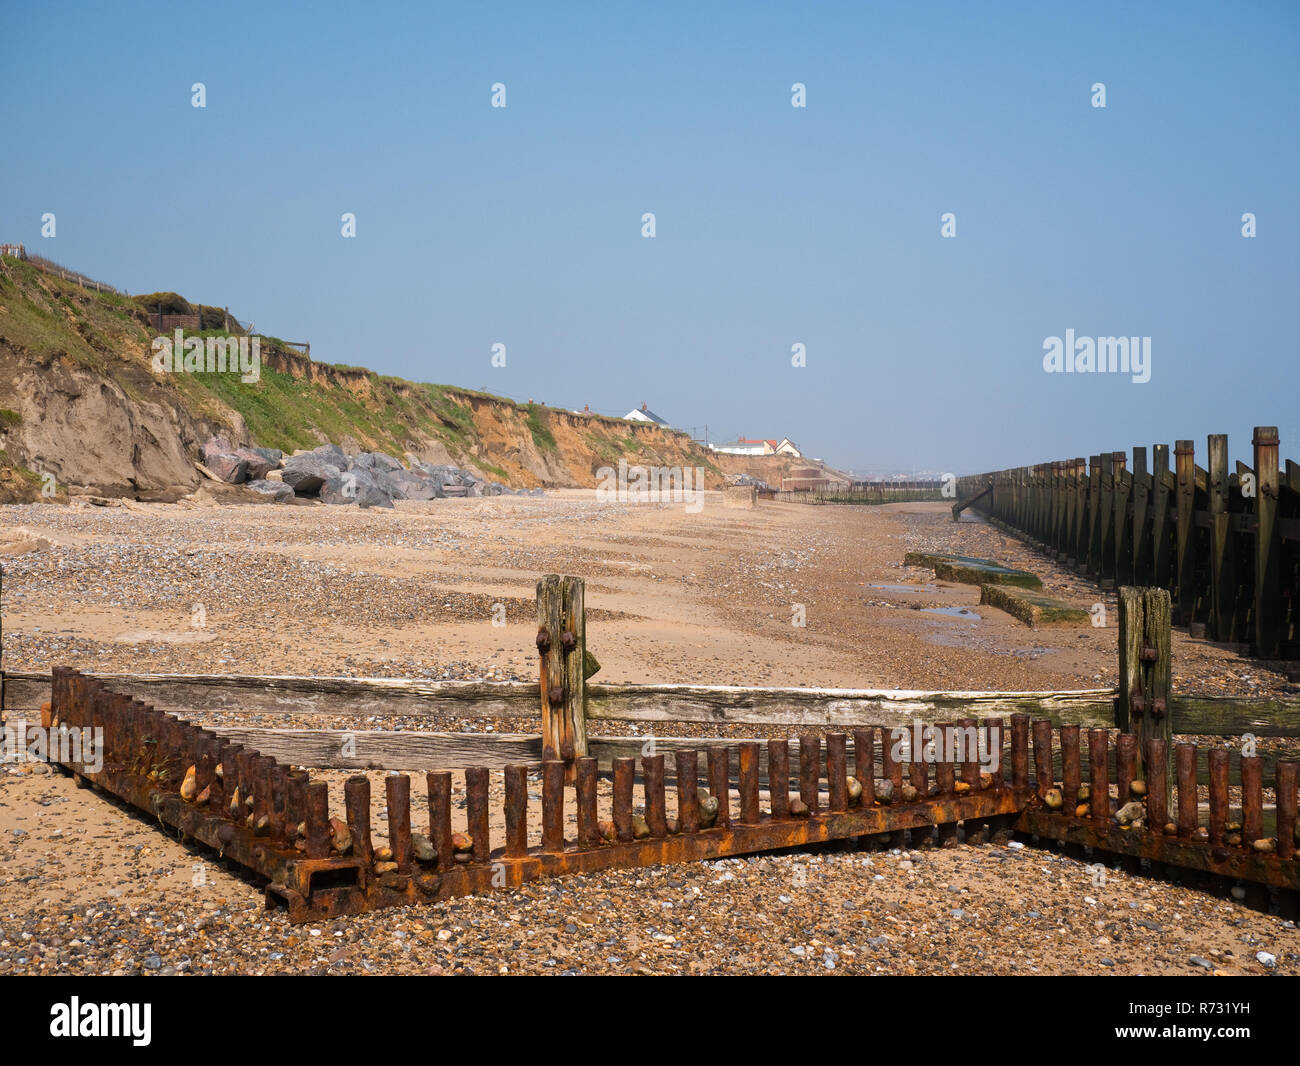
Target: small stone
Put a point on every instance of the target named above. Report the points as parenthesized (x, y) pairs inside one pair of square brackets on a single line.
[(385, 868), (1053, 799), (884, 790), (340, 836), (1082, 810), (422, 848), (986, 780), (855, 789), (1204, 964), (1130, 813), (1137, 788), (798, 808), (462, 842), (383, 854), (1085, 793), (1265, 845), (708, 809), (1238, 893), (909, 794), (961, 788), (190, 786), (640, 827), (1266, 959), (672, 826), (607, 831), (1233, 840), (1171, 829)]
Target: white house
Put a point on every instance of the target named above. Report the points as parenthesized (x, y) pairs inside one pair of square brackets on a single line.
[(646, 415), (746, 447)]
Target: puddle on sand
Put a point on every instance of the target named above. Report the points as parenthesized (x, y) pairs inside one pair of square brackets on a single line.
[(903, 588), (951, 612)]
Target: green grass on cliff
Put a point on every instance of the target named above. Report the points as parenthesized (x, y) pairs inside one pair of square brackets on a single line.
[(46, 317)]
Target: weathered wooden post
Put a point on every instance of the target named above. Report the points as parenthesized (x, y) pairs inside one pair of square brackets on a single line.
[(1161, 487), (1139, 564), (1185, 561), (1093, 534), (562, 654), (1268, 585), (1145, 640), (1223, 586), (1123, 545)]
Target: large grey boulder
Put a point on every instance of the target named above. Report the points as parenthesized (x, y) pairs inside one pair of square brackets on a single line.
[(306, 473), (405, 485), (326, 453), (232, 469), (274, 454), (258, 466), (215, 446), (276, 489), (355, 486), (374, 462)]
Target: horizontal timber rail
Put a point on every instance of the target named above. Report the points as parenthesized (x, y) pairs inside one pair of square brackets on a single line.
[(249, 696), (1226, 544), (275, 821)]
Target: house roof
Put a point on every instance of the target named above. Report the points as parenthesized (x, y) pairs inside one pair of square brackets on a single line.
[(644, 412)]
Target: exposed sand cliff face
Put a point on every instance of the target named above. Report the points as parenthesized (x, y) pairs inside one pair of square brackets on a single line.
[(86, 429), (80, 400)]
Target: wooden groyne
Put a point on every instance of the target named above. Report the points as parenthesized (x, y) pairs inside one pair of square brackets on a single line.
[(1225, 543)]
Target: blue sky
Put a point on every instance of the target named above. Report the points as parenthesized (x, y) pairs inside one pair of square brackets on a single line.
[(775, 225)]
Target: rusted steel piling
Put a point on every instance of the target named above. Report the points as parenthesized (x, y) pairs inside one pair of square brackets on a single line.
[(275, 820)]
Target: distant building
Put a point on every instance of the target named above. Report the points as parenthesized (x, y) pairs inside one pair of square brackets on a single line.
[(744, 446), (646, 415)]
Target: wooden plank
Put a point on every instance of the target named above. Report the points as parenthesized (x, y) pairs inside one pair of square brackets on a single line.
[(723, 704), (387, 749), (1223, 586), (1232, 716), (242, 693), (1093, 524), (1185, 563), (834, 707), (1268, 581), (1161, 574), (1122, 563), (248, 696), (1139, 541), (1157, 634)]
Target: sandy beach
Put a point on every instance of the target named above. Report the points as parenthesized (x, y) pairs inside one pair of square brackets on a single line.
[(88, 886)]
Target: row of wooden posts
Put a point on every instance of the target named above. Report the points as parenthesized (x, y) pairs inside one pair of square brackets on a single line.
[(1225, 544)]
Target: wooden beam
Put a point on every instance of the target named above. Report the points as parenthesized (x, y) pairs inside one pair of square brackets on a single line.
[(562, 647), (1268, 579), (387, 697), (1223, 586)]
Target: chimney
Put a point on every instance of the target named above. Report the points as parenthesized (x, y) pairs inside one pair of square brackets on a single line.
[(643, 406), (586, 408)]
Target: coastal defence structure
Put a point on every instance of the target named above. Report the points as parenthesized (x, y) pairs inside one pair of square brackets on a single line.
[(1225, 543)]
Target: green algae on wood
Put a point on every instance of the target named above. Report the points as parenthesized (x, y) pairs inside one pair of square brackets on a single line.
[(1033, 608), (971, 571)]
